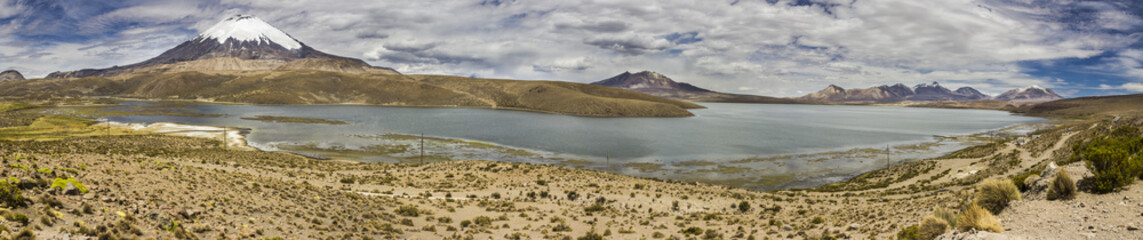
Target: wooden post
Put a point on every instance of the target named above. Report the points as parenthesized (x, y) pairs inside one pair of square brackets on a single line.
[(609, 161), (109, 127)]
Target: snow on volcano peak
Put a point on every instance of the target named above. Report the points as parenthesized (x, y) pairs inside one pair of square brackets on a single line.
[(249, 28)]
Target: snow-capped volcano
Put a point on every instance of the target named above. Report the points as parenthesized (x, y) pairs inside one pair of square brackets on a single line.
[(248, 29), (242, 43)]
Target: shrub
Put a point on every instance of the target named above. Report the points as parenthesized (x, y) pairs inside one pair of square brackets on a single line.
[(994, 194), (594, 208), (744, 206), (691, 231), (465, 223), (976, 217), (408, 211), (17, 217), (561, 228), (482, 220), (931, 227), (909, 233), (1113, 159), (1062, 188), (591, 235), (949, 216), (10, 195), (817, 220)]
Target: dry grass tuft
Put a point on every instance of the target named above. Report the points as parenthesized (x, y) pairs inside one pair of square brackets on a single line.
[(931, 227), (995, 194), (1062, 188), (976, 217)]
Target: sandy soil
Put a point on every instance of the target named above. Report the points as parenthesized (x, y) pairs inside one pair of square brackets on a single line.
[(156, 186)]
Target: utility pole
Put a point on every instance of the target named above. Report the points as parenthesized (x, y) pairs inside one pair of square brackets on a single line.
[(609, 161), (887, 158), (422, 147), (224, 135)]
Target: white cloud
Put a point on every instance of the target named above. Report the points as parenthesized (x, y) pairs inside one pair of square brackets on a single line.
[(1134, 87), (753, 46)]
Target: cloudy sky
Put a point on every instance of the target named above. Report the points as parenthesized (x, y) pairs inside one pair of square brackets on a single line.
[(771, 47)]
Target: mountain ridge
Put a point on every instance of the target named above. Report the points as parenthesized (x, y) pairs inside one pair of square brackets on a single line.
[(660, 85), (924, 92)]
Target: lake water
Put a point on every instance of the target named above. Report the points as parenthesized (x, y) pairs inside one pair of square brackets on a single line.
[(715, 146)]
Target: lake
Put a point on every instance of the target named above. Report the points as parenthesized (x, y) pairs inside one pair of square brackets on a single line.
[(758, 146)]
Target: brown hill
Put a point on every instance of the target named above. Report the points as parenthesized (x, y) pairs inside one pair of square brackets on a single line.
[(660, 85), (320, 87), (1087, 106)]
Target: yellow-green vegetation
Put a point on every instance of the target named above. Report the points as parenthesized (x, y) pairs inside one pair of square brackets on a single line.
[(1062, 187), (163, 108), (61, 184), (1116, 158), (52, 127), (995, 194), (318, 87), (976, 217), (281, 119), (14, 106)]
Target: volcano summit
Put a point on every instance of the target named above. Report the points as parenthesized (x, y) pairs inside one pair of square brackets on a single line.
[(239, 42)]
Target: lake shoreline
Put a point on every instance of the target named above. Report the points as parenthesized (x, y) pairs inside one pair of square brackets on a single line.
[(237, 139)]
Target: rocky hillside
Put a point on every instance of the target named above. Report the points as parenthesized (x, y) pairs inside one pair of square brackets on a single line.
[(11, 75), (660, 85), (1029, 94), (320, 87), (237, 43)]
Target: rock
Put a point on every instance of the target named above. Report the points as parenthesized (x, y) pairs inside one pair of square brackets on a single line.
[(1031, 180), (1132, 228), (853, 226), (70, 189), (89, 196), (787, 228)]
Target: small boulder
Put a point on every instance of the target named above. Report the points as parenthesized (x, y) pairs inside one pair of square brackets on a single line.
[(70, 189)]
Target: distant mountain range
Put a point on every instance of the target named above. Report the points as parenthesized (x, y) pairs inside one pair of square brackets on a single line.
[(660, 85), (933, 92)]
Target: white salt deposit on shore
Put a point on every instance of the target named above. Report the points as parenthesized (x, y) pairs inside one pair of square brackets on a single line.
[(234, 137)]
